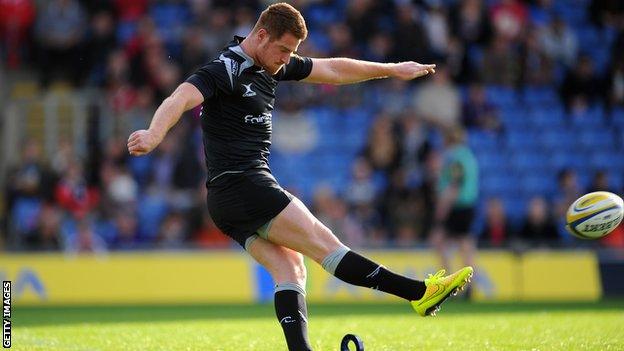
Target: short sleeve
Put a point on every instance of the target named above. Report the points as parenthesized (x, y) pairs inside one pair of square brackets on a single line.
[(297, 69), (211, 79)]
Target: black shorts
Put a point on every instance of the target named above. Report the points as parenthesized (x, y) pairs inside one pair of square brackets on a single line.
[(241, 203), (459, 221)]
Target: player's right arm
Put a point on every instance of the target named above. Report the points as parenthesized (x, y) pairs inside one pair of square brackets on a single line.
[(184, 98)]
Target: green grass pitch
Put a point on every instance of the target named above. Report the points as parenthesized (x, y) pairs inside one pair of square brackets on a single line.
[(459, 326)]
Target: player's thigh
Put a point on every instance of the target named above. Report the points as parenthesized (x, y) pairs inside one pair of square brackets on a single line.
[(297, 228), (284, 264)]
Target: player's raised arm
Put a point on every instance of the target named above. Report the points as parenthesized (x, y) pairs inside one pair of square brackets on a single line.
[(346, 71), (184, 98)]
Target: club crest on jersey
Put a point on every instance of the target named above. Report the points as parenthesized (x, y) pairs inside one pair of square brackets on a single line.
[(264, 118), (248, 92)]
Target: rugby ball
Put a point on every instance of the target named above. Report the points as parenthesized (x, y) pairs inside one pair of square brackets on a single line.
[(594, 215)]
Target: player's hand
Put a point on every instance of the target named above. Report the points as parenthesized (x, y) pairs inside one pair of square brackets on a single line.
[(142, 142), (411, 70)]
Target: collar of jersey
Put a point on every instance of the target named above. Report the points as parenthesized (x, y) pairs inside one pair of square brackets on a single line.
[(235, 48)]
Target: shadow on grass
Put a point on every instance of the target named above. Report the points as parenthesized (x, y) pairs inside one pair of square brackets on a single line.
[(62, 315)]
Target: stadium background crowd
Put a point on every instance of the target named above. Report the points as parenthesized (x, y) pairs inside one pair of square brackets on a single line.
[(537, 85)]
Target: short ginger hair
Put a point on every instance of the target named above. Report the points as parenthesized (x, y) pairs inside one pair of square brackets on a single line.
[(282, 18)]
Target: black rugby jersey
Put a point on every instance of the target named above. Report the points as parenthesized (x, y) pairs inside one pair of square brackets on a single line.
[(236, 113)]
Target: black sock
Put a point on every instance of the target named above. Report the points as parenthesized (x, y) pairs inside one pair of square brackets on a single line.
[(292, 313), (358, 270)]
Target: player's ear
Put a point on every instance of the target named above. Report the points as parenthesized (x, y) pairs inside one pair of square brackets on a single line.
[(262, 34)]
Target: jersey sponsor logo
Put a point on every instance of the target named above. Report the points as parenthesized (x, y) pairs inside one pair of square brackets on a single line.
[(264, 118), (248, 92)]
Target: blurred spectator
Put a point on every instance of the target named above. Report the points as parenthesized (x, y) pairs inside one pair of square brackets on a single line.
[(568, 191), (294, 131), (341, 41), (361, 18), (537, 68), (44, 237), (559, 42), (438, 100), (74, 194), (361, 195), (478, 112), (437, 29), (401, 209), (501, 63), (581, 86), (130, 10), (457, 196), (615, 84), (600, 182), (410, 34), (126, 230), (497, 229), (382, 151), (61, 28), (608, 13), (332, 211), (209, 236), (80, 237), (469, 22), (509, 18), (16, 19), (101, 42), (173, 231), (538, 226)]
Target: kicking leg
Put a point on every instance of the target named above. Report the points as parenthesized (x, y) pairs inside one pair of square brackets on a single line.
[(289, 273), (295, 227)]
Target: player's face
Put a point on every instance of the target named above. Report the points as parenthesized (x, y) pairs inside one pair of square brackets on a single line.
[(275, 53)]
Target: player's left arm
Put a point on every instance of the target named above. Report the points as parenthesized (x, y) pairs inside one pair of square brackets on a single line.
[(345, 70)]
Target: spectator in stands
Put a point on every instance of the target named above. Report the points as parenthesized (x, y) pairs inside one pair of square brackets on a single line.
[(126, 230), (581, 86), (332, 211), (100, 43), (410, 33), (538, 227), (537, 68), (568, 191), (497, 229), (16, 20), (509, 18), (470, 23), (209, 236), (438, 100), (173, 231), (296, 132), (478, 112), (73, 193), (361, 196), (437, 29), (457, 196), (61, 29), (501, 63), (30, 177), (44, 237), (401, 208), (600, 182), (80, 237), (382, 150), (559, 42), (615, 83)]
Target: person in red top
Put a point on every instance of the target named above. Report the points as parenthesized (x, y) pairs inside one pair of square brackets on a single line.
[(16, 18)]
